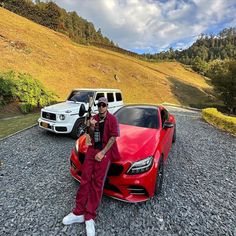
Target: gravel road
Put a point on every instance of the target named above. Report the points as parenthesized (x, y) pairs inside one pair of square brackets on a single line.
[(198, 198)]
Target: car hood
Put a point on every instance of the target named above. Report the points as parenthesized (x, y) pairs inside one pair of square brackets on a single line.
[(64, 106), (136, 143)]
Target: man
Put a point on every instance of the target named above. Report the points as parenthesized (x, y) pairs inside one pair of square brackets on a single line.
[(103, 132)]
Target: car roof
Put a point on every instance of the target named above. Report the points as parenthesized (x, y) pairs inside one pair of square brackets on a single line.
[(97, 89), (142, 106)]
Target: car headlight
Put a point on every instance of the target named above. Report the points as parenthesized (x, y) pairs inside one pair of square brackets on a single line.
[(77, 147), (141, 166), (62, 117)]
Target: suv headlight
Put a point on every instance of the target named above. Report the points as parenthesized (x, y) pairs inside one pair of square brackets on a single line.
[(62, 117), (140, 166)]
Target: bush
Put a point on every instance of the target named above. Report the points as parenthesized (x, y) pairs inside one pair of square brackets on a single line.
[(26, 107), (227, 123), (6, 87), (31, 91), (25, 89)]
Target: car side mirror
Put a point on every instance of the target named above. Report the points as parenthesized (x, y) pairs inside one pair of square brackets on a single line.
[(82, 110), (167, 125)]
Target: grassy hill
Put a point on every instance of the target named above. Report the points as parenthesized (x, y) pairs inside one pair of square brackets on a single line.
[(63, 65)]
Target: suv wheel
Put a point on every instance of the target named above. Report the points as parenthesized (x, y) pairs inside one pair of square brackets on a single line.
[(78, 129)]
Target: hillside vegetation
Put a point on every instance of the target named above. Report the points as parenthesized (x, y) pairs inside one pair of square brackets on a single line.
[(207, 48), (62, 65), (49, 14)]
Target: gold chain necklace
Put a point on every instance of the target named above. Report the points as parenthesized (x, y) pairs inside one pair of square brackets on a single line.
[(102, 119)]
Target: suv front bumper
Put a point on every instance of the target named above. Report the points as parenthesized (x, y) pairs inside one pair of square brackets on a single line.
[(63, 128)]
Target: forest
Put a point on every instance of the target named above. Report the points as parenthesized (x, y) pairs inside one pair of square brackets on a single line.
[(49, 14)]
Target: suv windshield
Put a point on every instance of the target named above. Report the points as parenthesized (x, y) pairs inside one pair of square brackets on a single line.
[(138, 116), (80, 96)]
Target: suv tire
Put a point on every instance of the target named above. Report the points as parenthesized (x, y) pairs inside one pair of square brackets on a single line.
[(78, 129)]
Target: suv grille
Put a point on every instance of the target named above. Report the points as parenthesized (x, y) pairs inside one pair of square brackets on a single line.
[(48, 116)]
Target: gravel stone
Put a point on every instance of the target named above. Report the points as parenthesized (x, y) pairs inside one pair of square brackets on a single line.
[(198, 195)]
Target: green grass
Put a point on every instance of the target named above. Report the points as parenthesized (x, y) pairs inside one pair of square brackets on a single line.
[(14, 124)]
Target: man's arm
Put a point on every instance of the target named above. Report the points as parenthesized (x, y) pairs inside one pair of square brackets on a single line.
[(102, 153), (109, 145)]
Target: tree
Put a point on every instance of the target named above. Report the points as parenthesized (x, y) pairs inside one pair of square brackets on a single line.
[(223, 75), (199, 65)]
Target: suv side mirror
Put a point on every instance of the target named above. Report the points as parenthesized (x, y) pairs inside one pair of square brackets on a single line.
[(82, 110), (167, 125)]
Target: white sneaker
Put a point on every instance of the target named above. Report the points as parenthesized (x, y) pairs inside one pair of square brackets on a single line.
[(72, 218), (90, 227)]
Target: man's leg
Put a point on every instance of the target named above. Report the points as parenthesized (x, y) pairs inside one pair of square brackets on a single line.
[(85, 184), (96, 188)]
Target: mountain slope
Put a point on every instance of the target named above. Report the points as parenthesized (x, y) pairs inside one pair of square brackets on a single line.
[(63, 65)]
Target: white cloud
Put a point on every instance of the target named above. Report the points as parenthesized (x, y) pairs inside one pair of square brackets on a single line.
[(154, 24)]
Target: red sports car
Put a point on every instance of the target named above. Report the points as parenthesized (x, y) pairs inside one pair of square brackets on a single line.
[(146, 136)]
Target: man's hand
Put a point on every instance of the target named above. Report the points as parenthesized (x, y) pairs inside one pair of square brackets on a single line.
[(99, 156), (92, 121)]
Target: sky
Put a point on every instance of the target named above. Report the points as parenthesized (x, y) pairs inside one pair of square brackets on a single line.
[(150, 26)]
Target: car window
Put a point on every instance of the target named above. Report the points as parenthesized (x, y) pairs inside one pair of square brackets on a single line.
[(118, 97), (110, 97), (138, 116), (80, 96), (99, 95)]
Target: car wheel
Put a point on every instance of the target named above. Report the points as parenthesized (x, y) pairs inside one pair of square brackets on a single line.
[(174, 135), (78, 129), (160, 175)]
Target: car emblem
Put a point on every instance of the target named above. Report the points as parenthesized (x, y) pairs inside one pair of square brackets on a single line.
[(48, 115)]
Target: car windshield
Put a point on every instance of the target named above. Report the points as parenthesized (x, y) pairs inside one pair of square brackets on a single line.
[(138, 116), (80, 96)]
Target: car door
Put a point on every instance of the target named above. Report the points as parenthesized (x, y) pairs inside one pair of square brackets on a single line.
[(165, 134)]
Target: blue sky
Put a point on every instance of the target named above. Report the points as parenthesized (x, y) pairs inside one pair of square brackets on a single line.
[(155, 25)]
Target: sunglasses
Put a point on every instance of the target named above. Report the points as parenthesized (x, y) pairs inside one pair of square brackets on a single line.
[(102, 105)]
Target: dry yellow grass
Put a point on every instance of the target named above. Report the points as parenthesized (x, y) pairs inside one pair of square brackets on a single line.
[(63, 65)]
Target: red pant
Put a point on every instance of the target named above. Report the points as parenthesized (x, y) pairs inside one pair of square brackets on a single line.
[(91, 186)]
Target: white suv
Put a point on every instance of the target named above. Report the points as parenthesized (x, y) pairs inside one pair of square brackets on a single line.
[(64, 117)]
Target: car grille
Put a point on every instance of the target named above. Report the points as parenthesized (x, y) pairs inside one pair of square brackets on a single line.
[(48, 115), (115, 170)]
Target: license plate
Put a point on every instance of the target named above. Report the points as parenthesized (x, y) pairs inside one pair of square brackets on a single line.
[(45, 125)]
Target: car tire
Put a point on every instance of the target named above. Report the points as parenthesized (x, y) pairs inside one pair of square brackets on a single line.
[(160, 176), (174, 135), (78, 129)]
